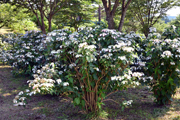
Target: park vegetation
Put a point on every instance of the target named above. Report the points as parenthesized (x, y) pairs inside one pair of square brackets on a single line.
[(89, 50)]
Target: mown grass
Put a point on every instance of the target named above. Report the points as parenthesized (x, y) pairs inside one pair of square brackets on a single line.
[(5, 30), (49, 107)]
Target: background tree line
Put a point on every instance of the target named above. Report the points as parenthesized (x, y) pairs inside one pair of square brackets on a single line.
[(123, 15)]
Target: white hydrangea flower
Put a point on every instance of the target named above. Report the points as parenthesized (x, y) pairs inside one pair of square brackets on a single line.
[(82, 44), (21, 93), (65, 84), (166, 54), (152, 29), (59, 81), (128, 49)]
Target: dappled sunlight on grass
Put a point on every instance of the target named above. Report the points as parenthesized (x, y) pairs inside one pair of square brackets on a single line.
[(37, 108), (143, 106), (61, 107), (5, 30), (5, 66), (6, 94), (174, 110)]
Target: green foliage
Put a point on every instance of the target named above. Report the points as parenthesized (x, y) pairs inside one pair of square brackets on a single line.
[(160, 26), (26, 51), (22, 26), (176, 22), (148, 12), (171, 32), (162, 66), (75, 14), (15, 18)]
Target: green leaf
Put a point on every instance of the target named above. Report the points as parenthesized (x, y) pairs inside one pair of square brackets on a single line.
[(99, 99), (99, 105), (77, 101), (70, 79), (159, 71), (163, 92), (122, 108), (77, 61), (83, 103), (95, 77), (92, 70), (103, 95)]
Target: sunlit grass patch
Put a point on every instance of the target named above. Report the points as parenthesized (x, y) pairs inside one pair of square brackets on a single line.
[(5, 30)]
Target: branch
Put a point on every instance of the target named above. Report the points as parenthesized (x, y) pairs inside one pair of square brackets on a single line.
[(105, 5), (54, 12), (115, 7), (127, 4)]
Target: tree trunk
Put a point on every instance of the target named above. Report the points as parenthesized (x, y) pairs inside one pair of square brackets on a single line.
[(42, 23), (122, 19), (110, 13), (39, 23), (99, 11), (111, 24), (146, 33), (50, 23), (124, 9), (91, 100)]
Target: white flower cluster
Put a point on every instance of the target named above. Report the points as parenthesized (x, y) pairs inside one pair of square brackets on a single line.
[(152, 29), (20, 98), (28, 50), (137, 74), (128, 49), (166, 54), (110, 49), (127, 103)]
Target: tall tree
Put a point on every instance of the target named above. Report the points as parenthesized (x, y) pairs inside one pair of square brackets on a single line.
[(110, 12), (99, 13), (123, 13), (76, 13), (46, 8), (148, 12)]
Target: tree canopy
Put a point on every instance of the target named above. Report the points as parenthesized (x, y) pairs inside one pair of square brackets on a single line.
[(123, 15), (148, 12), (46, 8), (15, 18)]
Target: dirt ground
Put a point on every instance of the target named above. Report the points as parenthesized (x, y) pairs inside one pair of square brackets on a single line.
[(47, 107)]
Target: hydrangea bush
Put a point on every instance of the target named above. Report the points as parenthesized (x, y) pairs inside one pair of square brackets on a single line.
[(171, 33), (93, 63), (161, 66), (27, 51), (89, 64), (6, 44)]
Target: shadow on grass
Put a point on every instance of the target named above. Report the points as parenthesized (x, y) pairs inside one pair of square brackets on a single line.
[(49, 107), (143, 106), (44, 107)]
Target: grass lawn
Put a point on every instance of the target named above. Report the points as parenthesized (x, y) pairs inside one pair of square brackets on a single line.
[(47, 107), (4, 30)]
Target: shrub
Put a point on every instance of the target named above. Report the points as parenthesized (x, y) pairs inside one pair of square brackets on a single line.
[(161, 58), (89, 64), (171, 32), (27, 51)]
